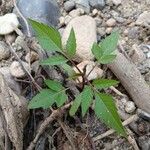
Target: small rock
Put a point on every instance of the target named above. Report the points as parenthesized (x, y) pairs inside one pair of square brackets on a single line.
[(4, 51), (62, 21), (31, 57), (76, 13), (46, 11), (108, 30), (83, 4), (144, 142), (148, 55), (88, 66), (116, 2), (16, 69), (133, 32), (10, 38), (111, 22), (101, 31), (67, 19), (94, 12), (10, 80), (137, 54), (85, 31), (98, 21), (8, 23), (130, 107), (143, 19), (69, 5), (99, 4)]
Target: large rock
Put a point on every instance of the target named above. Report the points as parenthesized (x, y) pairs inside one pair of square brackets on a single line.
[(46, 11), (143, 19), (85, 32)]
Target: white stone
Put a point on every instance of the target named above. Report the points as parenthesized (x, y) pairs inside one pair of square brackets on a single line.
[(16, 69), (116, 2), (130, 107), (88, 66), (108, 30), (76, 12), (62, 21), (4, 51), (85, 32), (111, 22), (67, 19), (8, 23), (143, 19), (94, 12)]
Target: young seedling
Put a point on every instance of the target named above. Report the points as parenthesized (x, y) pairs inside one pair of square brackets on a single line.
[(104, 52)]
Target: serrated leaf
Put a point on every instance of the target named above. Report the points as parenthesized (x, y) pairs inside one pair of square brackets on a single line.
[(109, 44), (104, 83), (97, 51), (106, 110), (54, 60), (48, 37), (68, 69), (107, 59), (44, 99), (87, 97), (71, 44), (75, 105), (54, 85), (61, 98)]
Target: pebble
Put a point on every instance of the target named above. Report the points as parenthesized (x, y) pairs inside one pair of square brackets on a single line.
[(67, 19), (101, 31), (62, 21), (116, 2), (16, 69), (99, 4), (111, 22), (10, 80), (69, 5), (143, 19), (75, 13), (83, 4), (88, 66), (94, 12), (31, 57), (98, 21), (130, 107), (46, 11), (4, 51), (108, 30), (10, 38), (85, 32), (8, 23)]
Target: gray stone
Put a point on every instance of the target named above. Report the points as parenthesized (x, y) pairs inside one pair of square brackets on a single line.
[(83, 4), (130, 107), (46, 11), (69, 5), (99, 4), (4, 51)]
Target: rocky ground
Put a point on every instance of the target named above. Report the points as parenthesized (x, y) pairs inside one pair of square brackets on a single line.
[(93, 20)]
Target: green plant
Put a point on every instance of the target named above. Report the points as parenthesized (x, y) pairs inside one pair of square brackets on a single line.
[(104, 52)]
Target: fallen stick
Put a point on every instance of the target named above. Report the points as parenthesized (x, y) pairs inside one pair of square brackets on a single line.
[(132, 80)]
